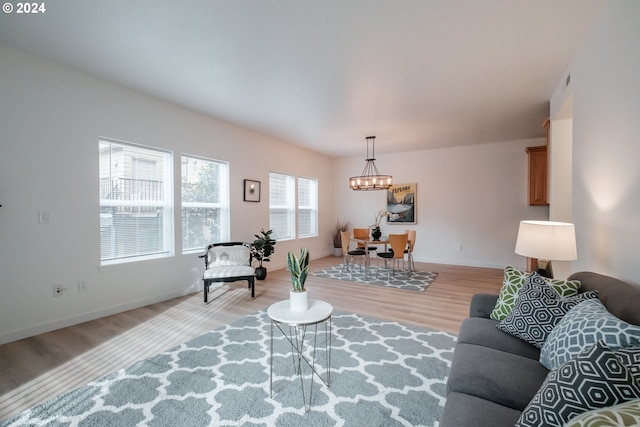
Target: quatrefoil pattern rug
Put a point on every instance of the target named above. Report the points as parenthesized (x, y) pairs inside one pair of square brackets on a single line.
[(416, 281), (382, 374)]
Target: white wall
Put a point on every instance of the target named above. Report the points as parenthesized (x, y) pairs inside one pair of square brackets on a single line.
[(51, 119), (560, 170), (561, 186), (472, 197), (606, 142)]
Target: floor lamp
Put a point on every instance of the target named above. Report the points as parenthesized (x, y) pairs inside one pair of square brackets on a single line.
[(544, 241)]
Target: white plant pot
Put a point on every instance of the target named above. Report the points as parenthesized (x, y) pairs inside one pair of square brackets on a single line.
[(298, 301), (337, 252)]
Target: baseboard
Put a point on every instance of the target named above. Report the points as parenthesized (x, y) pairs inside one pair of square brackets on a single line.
[(462, 264), (85, 317)]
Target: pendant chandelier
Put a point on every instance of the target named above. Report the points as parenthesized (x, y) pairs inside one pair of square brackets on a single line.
[(370, 178)]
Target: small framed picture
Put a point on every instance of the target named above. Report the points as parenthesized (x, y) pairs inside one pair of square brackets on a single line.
[(251, 190)]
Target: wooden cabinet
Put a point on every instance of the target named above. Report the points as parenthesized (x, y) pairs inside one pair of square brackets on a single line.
[(538, 175)]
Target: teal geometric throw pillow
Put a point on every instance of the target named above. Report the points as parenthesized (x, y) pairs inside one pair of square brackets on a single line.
[(515, 279)]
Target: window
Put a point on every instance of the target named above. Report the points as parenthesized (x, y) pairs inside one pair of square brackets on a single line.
[(205, 203), (136, 207), (282, 206), (307, 207)]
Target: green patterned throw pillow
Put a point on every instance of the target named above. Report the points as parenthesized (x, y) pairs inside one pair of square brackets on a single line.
[(514, 280), (623, 415)]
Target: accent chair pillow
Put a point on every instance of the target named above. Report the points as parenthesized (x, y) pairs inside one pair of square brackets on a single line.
[(513, 282), (623, 415), (538, 310), (583, 326), (594, 379)]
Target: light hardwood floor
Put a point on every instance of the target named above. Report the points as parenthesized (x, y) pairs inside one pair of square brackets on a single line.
[(38, 368)]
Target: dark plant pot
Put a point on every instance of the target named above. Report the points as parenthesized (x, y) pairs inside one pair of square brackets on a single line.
[(376, 234), (261, 273)]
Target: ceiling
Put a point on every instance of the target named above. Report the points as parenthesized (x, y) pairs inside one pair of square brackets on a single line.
[(324, 74)]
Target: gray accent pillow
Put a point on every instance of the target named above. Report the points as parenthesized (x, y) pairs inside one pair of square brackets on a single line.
[(583, 326)]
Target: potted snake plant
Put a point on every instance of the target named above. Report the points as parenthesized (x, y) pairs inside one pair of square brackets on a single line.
[(298, 268)]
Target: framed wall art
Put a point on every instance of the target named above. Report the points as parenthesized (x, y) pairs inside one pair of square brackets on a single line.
[(251, 190), (401, 204)]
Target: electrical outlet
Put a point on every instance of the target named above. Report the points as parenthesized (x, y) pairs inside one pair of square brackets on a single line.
[(58, 290), (43, 217), (82, 286)]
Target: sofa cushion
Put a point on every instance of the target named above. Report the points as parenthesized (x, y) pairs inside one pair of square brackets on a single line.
[(583, 326), (481, 331), (228, 272), (513, 282), (623, 415), (538, 310), (465, 410), (504, 378), (594, 379)]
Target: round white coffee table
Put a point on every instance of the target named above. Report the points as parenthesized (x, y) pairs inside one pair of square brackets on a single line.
[(298, 321)]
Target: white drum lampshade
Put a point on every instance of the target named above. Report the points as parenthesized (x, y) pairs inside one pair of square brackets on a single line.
[(547, 240)]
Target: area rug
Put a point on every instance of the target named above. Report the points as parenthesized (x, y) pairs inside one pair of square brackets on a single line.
[(416, 281), (382, 374)]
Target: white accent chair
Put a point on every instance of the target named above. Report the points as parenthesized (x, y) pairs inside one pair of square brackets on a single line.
[(227, 262)]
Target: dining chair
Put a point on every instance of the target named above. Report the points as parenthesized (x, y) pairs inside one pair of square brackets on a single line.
[(350, 255), (409, 250), (363, 233), (398, 243)]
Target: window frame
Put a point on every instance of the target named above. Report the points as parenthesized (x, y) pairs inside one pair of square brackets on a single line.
[(223, 203), (166, 237), (313, 208), (289, 207)]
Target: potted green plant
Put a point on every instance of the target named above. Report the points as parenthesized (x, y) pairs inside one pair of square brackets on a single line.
[(336, 237), (261, 249), (298, 268)]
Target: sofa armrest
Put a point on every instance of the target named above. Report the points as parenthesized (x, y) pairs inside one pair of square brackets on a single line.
[(482, 305)]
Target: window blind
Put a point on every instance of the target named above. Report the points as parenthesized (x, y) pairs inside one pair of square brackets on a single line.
[(307, 207), (135, 202), (282, 206)]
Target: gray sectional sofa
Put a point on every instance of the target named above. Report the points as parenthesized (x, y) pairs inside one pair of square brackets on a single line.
[(495, 375)]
